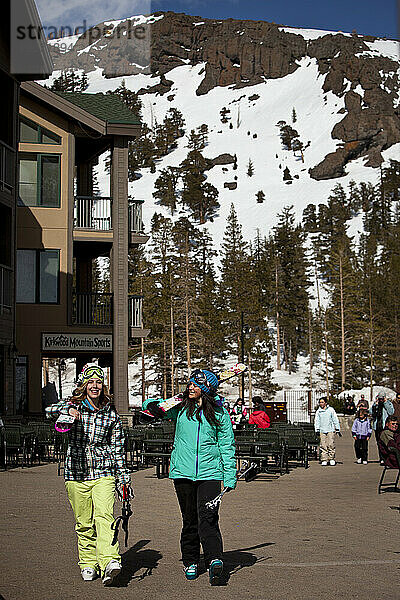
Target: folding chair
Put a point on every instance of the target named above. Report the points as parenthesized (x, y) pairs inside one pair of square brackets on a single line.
[(391, 457)]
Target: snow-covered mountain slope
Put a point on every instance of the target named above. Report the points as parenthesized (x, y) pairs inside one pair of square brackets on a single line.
[(251, 131)]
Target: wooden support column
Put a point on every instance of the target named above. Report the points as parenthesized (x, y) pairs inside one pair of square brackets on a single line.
[(119, 191)]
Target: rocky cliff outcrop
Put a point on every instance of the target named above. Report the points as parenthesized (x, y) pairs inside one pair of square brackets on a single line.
[(245, 53)]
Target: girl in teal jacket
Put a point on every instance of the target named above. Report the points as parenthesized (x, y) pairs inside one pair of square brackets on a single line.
[(203, 456)]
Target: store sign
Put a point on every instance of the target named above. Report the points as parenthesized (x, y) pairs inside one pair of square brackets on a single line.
[(77, 342)]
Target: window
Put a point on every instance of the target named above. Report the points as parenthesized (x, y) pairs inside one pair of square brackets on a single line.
[(38, 273), (36, 134), (6, 235), (21, 380), (39, 180)]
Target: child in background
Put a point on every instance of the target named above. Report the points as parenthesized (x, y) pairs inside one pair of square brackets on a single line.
[(361, 432)]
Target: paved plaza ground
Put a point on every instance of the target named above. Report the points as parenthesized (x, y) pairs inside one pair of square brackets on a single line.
[(318, 533)]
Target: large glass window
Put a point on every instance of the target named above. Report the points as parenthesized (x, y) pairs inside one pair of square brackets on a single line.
[(49, 266), (36, 134), (26, 276), (38, 273), (39, 179), (21, 380)]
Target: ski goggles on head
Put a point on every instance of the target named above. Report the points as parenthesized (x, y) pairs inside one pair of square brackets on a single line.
[(199, 377), (205, 380), (90, 372)]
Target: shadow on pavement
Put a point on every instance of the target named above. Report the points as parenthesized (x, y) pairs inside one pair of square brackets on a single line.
[(236, 560), (135, 560)]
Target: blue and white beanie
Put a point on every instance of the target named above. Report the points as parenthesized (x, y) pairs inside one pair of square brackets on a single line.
[(211, 385)]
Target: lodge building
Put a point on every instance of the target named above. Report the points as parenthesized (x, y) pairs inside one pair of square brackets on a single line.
[(62, 227), (11, 53)]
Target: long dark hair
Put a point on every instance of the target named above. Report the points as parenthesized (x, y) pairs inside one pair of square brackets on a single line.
[(208, 406)]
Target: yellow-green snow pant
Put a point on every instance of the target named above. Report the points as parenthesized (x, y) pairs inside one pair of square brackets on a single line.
[(93, 504)]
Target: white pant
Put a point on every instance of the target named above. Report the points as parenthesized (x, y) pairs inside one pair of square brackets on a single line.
[(327, 445)]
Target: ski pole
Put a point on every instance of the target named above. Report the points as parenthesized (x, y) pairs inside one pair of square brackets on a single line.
[(123, 519), (213, 504)]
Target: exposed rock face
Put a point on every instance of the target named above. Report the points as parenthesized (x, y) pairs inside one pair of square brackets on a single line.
[(222, 159), (231, 185), (244, 53)]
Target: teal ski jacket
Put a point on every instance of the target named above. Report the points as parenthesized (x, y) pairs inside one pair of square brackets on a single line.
[(201, 450)]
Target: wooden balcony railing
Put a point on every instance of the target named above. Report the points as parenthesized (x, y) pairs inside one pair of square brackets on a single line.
[(96, 309), (135, 216), (135, 307)]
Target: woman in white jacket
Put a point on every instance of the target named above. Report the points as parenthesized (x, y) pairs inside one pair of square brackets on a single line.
[(326, 423)]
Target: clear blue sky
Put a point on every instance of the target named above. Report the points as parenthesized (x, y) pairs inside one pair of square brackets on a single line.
[(373, 17)]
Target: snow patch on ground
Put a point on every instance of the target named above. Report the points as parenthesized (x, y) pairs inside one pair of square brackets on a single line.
[(366, 392)]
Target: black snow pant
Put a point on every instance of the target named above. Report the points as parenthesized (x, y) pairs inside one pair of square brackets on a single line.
[(200, 525), (361, 449)]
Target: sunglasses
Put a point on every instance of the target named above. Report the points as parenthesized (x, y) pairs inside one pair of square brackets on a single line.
[(199, 377)]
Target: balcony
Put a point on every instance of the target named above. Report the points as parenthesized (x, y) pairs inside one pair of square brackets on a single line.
[(7, 168), (5, 290), (93, 213), (135, 222), (135, 321), (96, 310), (93, 309)]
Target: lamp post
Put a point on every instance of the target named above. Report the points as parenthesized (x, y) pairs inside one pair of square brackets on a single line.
[(244, 333)]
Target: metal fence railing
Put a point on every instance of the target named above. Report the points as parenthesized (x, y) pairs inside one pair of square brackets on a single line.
[(300, 404), (93, 212), (92, 309), (5, 290)]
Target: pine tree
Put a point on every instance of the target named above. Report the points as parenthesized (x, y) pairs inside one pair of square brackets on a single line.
[(294, 283), (129, 98), (236, 295), (166, 188), (70, 81), (260, 197), (224, 112), (198, 195), (203, 129), (286, 175), (197, 141)]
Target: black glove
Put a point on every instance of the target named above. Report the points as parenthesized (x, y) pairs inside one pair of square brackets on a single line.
[(155, 410)]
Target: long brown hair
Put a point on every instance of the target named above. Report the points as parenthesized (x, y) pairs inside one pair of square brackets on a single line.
[(79, 395), (208, 406)]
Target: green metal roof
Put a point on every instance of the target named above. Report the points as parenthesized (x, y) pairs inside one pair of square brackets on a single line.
[(107, 107)]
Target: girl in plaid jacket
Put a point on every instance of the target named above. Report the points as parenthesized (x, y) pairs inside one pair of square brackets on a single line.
[(94, 466)]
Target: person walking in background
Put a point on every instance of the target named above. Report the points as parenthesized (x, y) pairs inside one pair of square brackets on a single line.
[(349, 407), (381, 409), (362, 403), (361, 432), (94, 468), (240, 413), (259, 415), (202, 457), (326, 423)]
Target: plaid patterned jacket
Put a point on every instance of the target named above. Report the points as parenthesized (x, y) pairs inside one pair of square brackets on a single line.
[(95, 444)]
